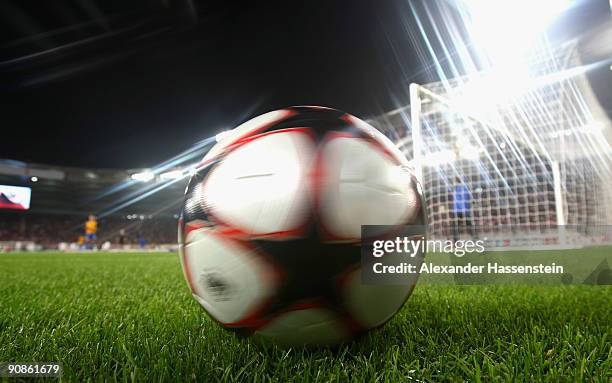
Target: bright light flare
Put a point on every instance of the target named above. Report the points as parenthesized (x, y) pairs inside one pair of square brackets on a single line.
[(222, 135), (158, 187), (145, 176), (441, 157), (172, 175), (505, 28), (469, 152)]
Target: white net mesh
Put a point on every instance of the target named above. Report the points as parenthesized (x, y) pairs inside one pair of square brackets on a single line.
[(493, 163)]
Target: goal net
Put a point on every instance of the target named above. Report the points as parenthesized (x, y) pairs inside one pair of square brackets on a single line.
[(513, 168)]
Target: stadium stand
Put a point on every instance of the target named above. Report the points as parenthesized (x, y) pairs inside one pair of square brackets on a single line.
[(63, 197)]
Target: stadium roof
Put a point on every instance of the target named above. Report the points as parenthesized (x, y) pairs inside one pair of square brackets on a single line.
[(71, 190)]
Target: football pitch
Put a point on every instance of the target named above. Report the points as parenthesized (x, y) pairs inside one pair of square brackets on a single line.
[(126, 317)]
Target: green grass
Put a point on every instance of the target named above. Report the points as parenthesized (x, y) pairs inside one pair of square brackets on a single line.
[(131, 317)]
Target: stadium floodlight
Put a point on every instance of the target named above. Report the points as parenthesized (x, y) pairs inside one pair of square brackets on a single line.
[(503, 36), (493, 26), (172, 175), (145, 176)]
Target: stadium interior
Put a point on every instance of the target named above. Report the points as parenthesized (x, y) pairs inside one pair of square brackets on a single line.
[(65, 196), (528, 137), (131, 251)]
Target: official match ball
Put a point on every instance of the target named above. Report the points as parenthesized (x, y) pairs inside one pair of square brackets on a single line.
[(270, 230)]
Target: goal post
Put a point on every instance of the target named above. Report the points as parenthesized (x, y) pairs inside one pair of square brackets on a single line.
[(415, 121), (510, 184)]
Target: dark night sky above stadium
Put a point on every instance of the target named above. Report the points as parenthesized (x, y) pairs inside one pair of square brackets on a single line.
[(130, 83)]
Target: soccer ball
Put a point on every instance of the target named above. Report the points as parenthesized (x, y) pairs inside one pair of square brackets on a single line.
[(270, 230)]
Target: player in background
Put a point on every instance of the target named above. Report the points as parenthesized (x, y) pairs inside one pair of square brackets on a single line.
[(462, 208), (142, 242), (81, 242), (91, 228), (122, 238)]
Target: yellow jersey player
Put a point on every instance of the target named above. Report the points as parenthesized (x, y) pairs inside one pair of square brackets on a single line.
[(91, 228)]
